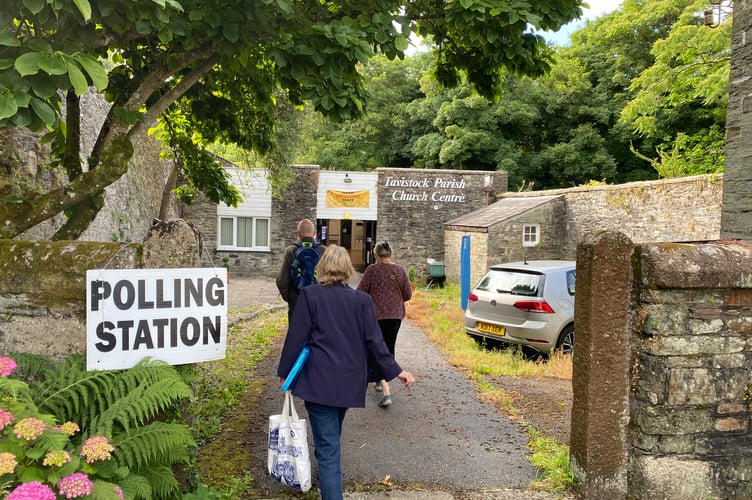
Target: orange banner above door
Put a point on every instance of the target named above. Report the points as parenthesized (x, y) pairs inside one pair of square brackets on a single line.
[(347, 199)]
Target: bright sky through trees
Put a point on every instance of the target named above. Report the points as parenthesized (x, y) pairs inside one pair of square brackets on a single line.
[(597, 8)]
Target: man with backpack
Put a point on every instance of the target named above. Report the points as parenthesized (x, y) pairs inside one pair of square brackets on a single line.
[(299, 264)]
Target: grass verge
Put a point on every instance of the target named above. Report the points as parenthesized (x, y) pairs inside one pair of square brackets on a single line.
[(225, 390)]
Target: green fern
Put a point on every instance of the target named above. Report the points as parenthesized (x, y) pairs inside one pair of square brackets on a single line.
[(162, 481), (135, 486), (123, 405), (152, 445), (140, 405), (18, 391)]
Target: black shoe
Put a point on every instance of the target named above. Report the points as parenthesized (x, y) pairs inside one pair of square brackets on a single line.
[(385, 401), (377, 386)]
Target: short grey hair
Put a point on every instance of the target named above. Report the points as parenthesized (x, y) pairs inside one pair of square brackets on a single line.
[(383, 249)]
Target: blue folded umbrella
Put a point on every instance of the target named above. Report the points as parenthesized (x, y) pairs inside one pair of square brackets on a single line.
[(302, 358)]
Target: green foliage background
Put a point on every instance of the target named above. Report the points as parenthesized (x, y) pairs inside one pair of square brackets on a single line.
[(638, 94)]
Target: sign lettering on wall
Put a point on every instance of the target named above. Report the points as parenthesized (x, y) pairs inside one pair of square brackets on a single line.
[(176, 315), (425, 189), (347, 199)]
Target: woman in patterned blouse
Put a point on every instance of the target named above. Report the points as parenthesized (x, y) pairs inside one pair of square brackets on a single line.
[(389, 287)]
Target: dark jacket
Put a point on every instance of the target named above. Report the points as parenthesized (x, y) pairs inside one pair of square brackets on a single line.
[(284, 280), (339, 324)]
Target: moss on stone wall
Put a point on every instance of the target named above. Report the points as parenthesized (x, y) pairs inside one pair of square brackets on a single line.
[(54, 273)]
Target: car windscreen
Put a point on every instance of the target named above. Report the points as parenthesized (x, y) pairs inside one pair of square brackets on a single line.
[(511, 281)]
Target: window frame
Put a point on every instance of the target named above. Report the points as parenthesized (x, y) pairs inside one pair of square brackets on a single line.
[(526, 242), (254, 233)]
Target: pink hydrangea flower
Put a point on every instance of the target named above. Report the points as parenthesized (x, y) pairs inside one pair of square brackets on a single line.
[(32, 491), (8, 463), (29, 428), (6, 418), (97, 448), (57, 458), (7, 365), (69, 428), (75, 486), (119, 492)]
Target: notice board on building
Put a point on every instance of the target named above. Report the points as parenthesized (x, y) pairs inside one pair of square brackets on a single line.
[(175, 315)]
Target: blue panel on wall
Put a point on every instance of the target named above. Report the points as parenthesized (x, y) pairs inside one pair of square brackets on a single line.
[(465, 271)]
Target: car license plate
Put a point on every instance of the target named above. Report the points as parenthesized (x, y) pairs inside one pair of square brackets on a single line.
[(485, 327)]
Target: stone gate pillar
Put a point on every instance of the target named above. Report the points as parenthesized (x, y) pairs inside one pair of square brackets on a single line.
[(599, 451)]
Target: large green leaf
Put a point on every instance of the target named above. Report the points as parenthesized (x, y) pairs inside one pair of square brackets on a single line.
[(43, 111), (43, 86), (8, 39), (77, 78), (35, 6), (53, 64), (95, 70), (84, 7), (401, 42), (38, 45), (8, 104), (28, 63)]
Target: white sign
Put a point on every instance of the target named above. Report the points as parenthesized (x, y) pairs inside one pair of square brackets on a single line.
[(175, 315)]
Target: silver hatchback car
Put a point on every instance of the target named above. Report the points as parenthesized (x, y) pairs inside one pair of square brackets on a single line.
[(525, 303)]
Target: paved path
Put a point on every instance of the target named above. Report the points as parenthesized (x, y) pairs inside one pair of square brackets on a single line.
[(437, 441)]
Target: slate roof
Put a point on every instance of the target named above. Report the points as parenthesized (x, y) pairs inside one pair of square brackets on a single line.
[(499, 211)]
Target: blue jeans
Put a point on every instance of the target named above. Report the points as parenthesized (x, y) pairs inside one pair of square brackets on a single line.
[(326, 426)]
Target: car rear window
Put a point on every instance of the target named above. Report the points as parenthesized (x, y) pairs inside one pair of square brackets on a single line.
[(511, 281)]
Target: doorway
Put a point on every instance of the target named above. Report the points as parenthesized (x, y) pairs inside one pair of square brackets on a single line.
[(357, 236)]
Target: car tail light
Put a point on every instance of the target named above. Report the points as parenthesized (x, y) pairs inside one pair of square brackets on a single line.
[(534, 306), (472, 297)]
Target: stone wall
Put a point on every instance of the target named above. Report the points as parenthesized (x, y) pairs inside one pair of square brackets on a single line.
[(130, 203), (682, 209), (43, 292), (661, 371), (43, 284), (737, 204)]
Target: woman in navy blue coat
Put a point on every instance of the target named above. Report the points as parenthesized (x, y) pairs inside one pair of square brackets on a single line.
[(339, 325)]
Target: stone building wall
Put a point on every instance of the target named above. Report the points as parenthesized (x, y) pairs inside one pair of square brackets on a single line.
[(415, 226), (661, 383), (736, 220), (299, 202), (130, 203), (553, 238), (479, 258), (683, 209), (410, 215)]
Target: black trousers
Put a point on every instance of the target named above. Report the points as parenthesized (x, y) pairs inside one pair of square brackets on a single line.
[(389, 330)]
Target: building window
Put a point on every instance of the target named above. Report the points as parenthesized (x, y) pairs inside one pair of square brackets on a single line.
[(530, 235), (243, 233)]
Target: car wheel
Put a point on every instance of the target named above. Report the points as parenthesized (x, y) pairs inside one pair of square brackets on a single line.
[(565, 344)]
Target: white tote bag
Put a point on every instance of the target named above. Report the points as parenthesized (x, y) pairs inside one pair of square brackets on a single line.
[(288, 459)]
